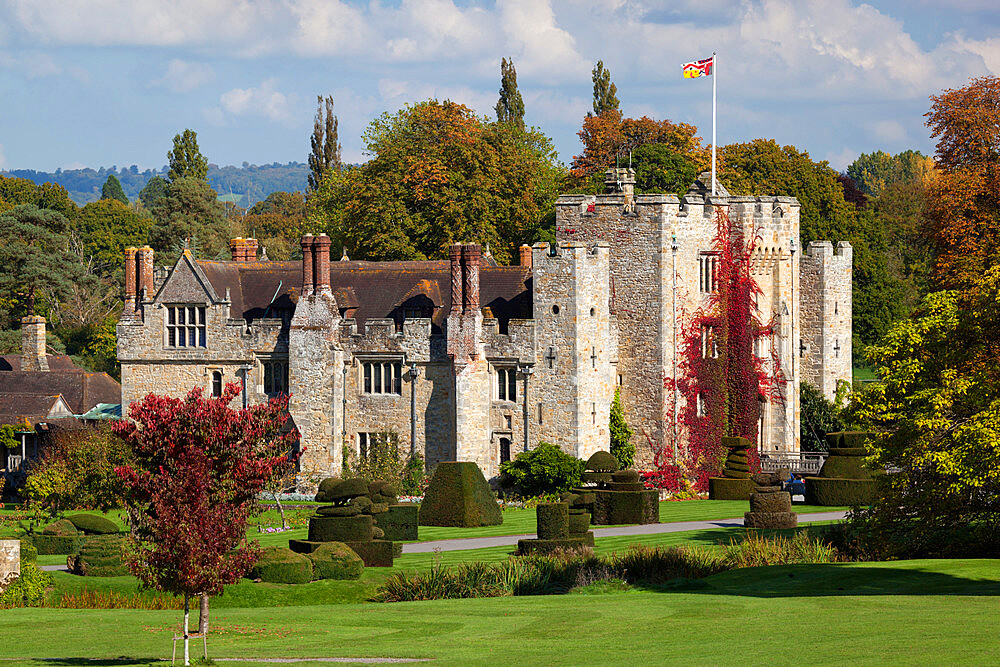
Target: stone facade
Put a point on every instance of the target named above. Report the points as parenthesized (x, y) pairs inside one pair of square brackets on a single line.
[(465, 360), (10, 562)]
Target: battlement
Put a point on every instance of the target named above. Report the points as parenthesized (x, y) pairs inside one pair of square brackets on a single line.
[(824, 251), (546, 255)]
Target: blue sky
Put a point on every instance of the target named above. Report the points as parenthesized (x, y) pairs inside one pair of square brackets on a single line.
[(102, 82)]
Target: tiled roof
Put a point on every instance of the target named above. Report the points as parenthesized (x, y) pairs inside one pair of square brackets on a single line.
[(81, 390), (57, 362), (16, 407)]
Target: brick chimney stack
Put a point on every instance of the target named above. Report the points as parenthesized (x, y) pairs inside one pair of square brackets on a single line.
[(455, 257), (250, 250), (321, 262), (307, 264), (130, 280), (145, 271), (33, 356), (472, 255), (525, 251), (236, 248)]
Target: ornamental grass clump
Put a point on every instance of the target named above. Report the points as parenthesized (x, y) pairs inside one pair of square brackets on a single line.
[(756, 550)]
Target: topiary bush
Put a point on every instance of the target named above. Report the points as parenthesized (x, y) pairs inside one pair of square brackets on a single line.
[(399, 522), (335, 560), (602, 462), (279, 565), (458, 495), (50, 545), (92, 524), (545, 469), (62, 527), (552, 521), (340, 528), (100, 556)]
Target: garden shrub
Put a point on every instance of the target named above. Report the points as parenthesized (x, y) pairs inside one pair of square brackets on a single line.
[(93, 524), (552, 521), (279, 565), (579, 523), (626, 507), (100, 556), (544, 469), (335, 560), (399, 522), (50, 545), (834, 492), (458, 495), (62, 527), (28, 589), (621, 447), (29, 554), (756, 550), (374, 553), (340, 528), (602, 461)]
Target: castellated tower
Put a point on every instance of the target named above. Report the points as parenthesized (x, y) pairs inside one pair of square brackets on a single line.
[(577, 346), (661, 266), (827, 316)]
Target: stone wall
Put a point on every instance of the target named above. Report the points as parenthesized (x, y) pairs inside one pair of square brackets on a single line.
[(10, 561), (827, 294)]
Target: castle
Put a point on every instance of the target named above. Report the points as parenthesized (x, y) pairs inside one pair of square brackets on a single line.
[(462, 359)]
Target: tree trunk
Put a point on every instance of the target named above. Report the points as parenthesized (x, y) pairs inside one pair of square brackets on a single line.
[(281, 510), (203, 615), (187, 615)]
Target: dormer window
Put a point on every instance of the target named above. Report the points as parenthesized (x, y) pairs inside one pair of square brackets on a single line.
[(185, 326)]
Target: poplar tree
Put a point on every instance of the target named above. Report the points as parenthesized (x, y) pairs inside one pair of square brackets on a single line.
[(113, 190), (604, 90), (324, 141), (185, 159), (510, 107)]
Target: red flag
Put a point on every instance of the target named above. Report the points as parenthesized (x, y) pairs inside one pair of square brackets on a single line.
[(698, 68)]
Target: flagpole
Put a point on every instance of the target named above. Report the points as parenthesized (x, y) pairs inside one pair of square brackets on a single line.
[(715, 76)]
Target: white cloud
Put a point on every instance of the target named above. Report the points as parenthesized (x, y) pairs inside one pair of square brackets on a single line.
[(541, 48), (263, 100), (32, 65), (840, 160), (182, 76)]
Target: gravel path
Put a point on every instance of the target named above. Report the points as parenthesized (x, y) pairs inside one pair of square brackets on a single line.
[(646, 529)]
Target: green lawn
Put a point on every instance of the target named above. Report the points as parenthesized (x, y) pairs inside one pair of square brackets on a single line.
[(909, 612)]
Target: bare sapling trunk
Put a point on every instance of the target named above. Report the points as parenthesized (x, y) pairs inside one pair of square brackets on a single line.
[(203, 615), (187, 615), (281, 510)]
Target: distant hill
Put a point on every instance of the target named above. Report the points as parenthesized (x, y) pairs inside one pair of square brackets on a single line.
[(247, 184)]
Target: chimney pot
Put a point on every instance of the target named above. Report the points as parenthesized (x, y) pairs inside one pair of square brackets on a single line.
[(307, 264), (33, 357), (321, 260), (525, 251), (455, 259)]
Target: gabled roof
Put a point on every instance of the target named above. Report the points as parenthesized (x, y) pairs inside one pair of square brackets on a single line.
[(16, 407), (57, 362), (80, 389)]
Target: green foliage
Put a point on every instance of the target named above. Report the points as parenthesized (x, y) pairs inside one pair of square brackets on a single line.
[(874, 172), (605, 91), (622, 447), (936, 415), (93, 524), (106, 228), (77, 470), (100, 556), (112, 189), (7, 437), (659, 169), (399, 522), (154, 190), (17, 191), (62, 527), (325, 153), (340, 528), (438, 175), (185, 158), (458, 495), (552, 521), (48, 545), (35, 262), (29, 554), (335, 560), (840, 491), (28, 590), (819, 417), (601, 461), (510, 106), (413, 476), (544, 469), (190, 209), (280, 565)]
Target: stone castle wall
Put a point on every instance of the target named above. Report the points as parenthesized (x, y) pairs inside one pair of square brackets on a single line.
[(827, 294)]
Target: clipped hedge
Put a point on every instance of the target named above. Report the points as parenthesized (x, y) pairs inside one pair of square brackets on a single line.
[(574, 543), (458, 495), (374, 553), (848, 451), (100, 556), (51, 545), (279, 565), (625, 476), (851, 439), (340, 528), (845, 467), (626, 507), (335, 560), (601, 462), (734, 474), (773, 520), (579, 523), (729, 488), (552, 521), (832, 491), (399, 522), (62, 528), (92, 524), (771, 502)]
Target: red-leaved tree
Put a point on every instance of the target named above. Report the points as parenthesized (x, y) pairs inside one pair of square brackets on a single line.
[(198, 468)]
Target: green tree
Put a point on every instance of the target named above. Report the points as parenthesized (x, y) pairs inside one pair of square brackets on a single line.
[(544, 469), (190, 212), (604, 90), (439, 174), (185, 159), (874, 172), (105, 229), (325, 145), (34, 260), (761, 167), (17, 191), (661, 169), (113, 190), (154, 190), (819, 417), (278, 222), (935, 412), (621, 435), (510, 106)]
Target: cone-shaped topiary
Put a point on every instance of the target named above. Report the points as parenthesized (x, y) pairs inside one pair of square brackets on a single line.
[(458, 495)]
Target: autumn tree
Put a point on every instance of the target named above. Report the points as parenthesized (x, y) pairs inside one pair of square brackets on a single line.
[(874, 172), (198, 467), (439, 174), (113, 190), (277, 221), (935, 413), (605, 91), (34, 258), (964, 202), (608, 139), (325, 145), (51, 196), (185, 159), (661, 170), (510, 106)]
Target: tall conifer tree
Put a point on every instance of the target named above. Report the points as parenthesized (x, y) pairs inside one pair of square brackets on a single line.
[(185, 159), (604, 90), (113, 190)]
